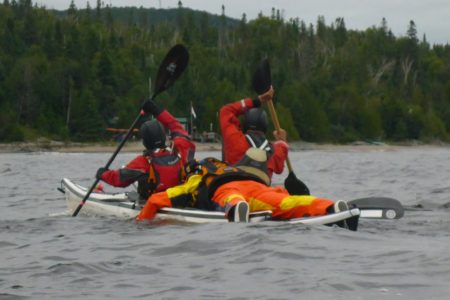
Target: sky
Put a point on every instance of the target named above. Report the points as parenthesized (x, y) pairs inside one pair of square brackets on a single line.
[(431, 17)]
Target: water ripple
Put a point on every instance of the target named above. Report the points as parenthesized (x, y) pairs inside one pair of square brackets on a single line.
[(46, 254)]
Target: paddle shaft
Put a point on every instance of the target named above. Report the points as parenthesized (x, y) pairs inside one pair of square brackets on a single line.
[(130, 131), (273, 115), (169, 70)]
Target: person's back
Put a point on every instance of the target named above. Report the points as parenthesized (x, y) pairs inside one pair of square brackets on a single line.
[(160, 166), (238, 138)]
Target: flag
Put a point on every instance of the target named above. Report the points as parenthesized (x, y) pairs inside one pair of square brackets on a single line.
[(193, 112)]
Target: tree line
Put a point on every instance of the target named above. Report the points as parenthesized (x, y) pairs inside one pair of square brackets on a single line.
[(69, 75)]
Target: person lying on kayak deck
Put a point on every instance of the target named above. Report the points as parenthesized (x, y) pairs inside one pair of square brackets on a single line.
[(160, 166), (239, 189), (237, 137)]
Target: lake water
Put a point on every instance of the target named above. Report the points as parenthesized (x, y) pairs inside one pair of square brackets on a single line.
[(47, 254)]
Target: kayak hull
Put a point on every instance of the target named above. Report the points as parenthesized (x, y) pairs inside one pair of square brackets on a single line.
[(119, 205)]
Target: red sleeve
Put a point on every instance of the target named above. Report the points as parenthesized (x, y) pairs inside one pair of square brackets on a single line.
[(181, 140), (234, 142), (140, 163), (171, 123), (112, 177), (276, 162), (185, 147)]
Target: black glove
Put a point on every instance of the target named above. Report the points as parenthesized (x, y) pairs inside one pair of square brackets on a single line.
[(192, 167), (256, 102), (100, 172), (150, 106)]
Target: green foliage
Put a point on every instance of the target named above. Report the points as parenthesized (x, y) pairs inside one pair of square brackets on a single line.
[(70, 74), (287, 122), (10, 130), (308, 116), (86, 124), (370, 127), (434, 128)]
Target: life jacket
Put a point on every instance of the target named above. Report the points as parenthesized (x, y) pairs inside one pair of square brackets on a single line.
[(255, 139), (166, 170), (255, 162), (216, 173), (258, 140)]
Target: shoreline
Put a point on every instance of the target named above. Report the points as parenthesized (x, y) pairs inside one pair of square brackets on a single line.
[(137, 147), (53, 146)]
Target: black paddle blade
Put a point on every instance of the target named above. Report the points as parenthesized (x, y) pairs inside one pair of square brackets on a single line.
[(262, 79), (171, 68), (390, 208), (295, 186)]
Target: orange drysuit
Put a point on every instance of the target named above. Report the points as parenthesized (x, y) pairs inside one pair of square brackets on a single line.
[(258, 195), (276, 199)]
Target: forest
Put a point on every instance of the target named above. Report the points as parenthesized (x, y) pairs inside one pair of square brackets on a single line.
[(69, 75)]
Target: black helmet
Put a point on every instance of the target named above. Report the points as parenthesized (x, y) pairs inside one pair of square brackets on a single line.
[(153, 135), (255, 119)]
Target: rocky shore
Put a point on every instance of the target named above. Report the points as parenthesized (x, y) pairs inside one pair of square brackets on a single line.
[(44, 145)]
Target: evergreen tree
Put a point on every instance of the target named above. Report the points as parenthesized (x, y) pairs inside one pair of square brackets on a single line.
[(98, 10), (66, 75), (412, 31)]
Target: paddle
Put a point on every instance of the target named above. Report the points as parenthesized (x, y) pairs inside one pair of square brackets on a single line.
[(261, 83), (379, 207), (170, 69)]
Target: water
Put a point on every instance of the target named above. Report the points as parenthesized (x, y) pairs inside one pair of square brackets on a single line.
[(46, 254)]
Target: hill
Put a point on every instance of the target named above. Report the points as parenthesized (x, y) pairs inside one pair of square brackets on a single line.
[(69, 75), (152, 16)]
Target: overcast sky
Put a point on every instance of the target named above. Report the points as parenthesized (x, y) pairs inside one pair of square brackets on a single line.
[(432, 17)]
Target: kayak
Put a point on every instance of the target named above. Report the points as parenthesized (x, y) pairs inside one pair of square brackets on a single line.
[(125, 205)]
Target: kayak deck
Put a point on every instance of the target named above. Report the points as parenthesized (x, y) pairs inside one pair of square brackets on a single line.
[(120, 206)]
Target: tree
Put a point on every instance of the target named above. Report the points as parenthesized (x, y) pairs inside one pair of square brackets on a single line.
[(86, 124), (321, 27), (98, 10), (109, 18), (10, 130), (332, 84), (412, 32), (310, 120), (340, 35), (72, 11), (88, 12), (30, 30)]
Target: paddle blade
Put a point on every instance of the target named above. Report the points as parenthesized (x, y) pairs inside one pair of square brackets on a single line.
[(171, 68), (262, 79), (379, 207), (295, 186)]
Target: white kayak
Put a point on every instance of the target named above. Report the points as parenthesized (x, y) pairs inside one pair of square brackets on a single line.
[(122, 206)]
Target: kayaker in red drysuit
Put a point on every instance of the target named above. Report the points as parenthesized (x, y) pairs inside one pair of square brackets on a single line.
[(160, 166), (238, 138)]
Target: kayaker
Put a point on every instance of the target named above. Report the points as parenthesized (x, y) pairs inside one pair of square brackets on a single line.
[(237, 137), (161, 165), (238, 190)]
